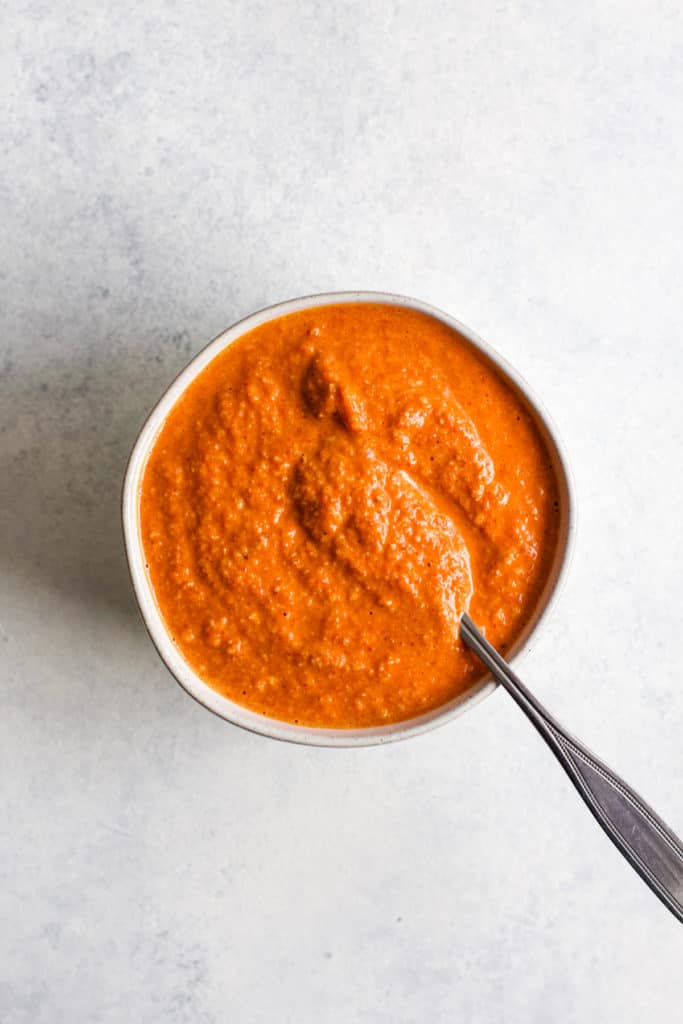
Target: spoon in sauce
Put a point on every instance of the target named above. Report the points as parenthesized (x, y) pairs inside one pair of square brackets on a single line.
[(649, 846)]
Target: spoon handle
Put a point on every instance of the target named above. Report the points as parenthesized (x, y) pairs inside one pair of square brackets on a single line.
[(645, 841)]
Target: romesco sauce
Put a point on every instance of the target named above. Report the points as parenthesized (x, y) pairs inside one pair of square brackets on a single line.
[(325, 500)]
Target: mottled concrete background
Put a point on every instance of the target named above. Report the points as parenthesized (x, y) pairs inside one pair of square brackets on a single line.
[(166, 168)]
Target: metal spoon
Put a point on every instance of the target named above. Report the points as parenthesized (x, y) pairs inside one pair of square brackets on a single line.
[(643, 838)]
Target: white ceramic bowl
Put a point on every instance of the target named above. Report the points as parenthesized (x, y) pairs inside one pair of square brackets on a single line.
[(168, 651)]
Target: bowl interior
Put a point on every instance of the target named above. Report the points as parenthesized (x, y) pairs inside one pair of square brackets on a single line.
[(154, 623)]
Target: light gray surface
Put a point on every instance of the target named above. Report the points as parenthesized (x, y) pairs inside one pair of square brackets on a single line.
[(167, 168)]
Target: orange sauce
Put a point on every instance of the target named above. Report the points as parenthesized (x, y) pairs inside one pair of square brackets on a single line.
[(325, 500)]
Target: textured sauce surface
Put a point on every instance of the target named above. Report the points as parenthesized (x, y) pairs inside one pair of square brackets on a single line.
[(326, 499)]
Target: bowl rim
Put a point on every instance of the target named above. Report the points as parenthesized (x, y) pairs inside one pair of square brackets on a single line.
[(273, 728)]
